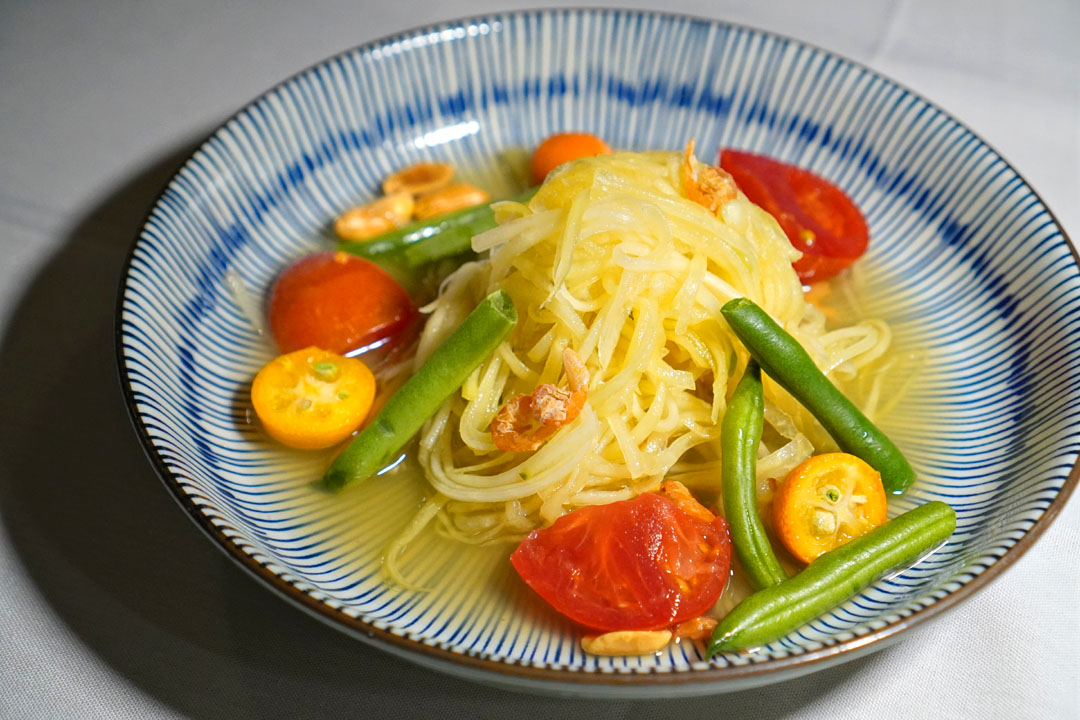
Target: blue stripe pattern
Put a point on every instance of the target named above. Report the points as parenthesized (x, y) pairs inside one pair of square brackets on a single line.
[(966, 264)]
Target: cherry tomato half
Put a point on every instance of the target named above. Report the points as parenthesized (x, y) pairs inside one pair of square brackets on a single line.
[(819, 218), (640, 564), (338, 302)]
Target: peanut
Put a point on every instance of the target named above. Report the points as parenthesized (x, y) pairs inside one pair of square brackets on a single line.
[(453, 197), (627, 642), (375, 218), (419, 179)]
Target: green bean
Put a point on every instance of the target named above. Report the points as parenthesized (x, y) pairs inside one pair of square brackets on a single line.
[(832, 578), (426, 241), (740, 435), (786, 362), (422, 394)]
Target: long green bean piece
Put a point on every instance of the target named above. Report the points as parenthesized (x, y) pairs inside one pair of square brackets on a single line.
[(422, 394), (832, 578), (431, 239), (786, 362), (740, 435)]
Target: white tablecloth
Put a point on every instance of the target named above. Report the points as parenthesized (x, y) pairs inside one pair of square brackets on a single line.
[(112, 603)]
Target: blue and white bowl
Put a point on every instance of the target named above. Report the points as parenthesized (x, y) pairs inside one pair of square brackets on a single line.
[(966, 263)]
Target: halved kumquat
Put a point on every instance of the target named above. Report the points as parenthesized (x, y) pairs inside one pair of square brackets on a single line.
[(827, 501), (312, 398)]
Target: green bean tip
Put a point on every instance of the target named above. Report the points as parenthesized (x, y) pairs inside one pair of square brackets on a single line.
[(734, 304), (721, 644), (335, 479), (501, 303)]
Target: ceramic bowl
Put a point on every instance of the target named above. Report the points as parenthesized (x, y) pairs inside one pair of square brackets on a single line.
[(966, 263)]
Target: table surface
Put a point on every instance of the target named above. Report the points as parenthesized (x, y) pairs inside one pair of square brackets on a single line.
[(113, 604)]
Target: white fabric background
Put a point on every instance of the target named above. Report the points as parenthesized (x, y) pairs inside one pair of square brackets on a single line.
[(113, 605)]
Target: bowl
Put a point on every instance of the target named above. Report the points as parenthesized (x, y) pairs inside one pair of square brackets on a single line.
[(966, 263)]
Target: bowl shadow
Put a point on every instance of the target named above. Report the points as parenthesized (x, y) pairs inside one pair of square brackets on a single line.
[(138, 584)]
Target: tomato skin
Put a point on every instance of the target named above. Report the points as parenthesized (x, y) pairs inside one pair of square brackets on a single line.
[(338, 302), (820, 220), (641, 564)]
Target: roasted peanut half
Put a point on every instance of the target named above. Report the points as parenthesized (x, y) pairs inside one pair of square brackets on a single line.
[(375, 218), (449, 199), (419, 179), (627, 642)]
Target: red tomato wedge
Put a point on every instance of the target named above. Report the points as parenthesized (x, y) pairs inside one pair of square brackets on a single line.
[(337, 302), (641, 564), (819, 218)]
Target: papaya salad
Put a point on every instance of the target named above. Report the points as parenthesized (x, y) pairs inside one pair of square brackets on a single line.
[(625, 375)]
